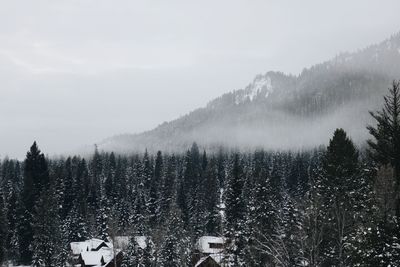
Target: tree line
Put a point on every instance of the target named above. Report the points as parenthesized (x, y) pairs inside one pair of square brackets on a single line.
[(333, 206)]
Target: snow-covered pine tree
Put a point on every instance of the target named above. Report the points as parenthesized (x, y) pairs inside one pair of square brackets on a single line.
[(211, 192), (264, 216), (69, 193), (377, 244), (11, 240), (102, 220), (291, 230), (169, 187), (343, 189), (75, 225), (192, 179), (172, 251), (122, 206), (235, 213), (93, 192), (3, 230), (36, 179), (140, 214), (183, 188), (147, 171), (149, 259), (385, 148), (315, 214), (154, 191), (132, 254), (47, 242), (109, 178)]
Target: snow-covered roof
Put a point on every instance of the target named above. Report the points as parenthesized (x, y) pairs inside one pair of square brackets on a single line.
[(95, 243), (141, 240), (88, 245), (210, 244), (79, 247), (94, 258)]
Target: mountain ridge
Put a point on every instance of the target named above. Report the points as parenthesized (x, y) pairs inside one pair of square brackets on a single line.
[(349, 84)]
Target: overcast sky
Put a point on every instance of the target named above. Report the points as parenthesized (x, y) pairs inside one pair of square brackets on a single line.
[(74, 72)]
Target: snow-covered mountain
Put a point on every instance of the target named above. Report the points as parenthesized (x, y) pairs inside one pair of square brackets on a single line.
[(279, 111)]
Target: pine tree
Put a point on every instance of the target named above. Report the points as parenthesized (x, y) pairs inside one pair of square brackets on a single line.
[(315, 214), (3, 230), (171, 253), (69, 193), (203, 202), (94, 182), (377, 245), (169, 187), (11, 241), (75, 226), (235, 213), (148, 258), (292, 233), (385, 149), (47, 240), (343, 187), (121, 206), (132, 254), (263, 215), (235, 208), (102, 220), (140, 213), (211, 199), (81, 188), (297, 179), (109, 184), (147, 171), (183, 193), (154, 195), (36, 178), (137, 256)]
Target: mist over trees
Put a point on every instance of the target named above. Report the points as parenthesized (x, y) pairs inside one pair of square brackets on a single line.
[(279, 111), (320, 207)]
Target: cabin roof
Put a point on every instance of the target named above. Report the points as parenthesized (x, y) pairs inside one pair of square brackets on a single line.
[(203, 244), (88, 245), (95, 258)]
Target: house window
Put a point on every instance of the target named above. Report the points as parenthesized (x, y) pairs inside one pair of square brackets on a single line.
[(216, 245)]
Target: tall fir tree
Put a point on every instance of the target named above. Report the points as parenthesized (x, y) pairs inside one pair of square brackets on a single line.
[(138, 256), (385, 148), (12, 241), (102, 220), (169, 187), (211, 199), (69, 193), (47, 242), (343, 187), (172, 252), (235, 213), (132, 254), (154, 194), (36, 179), (3, 230)]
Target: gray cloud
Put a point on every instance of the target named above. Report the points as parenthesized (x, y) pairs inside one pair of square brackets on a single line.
[(75, 72)]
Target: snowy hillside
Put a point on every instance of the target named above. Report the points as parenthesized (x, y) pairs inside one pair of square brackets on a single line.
[(277, 110)]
